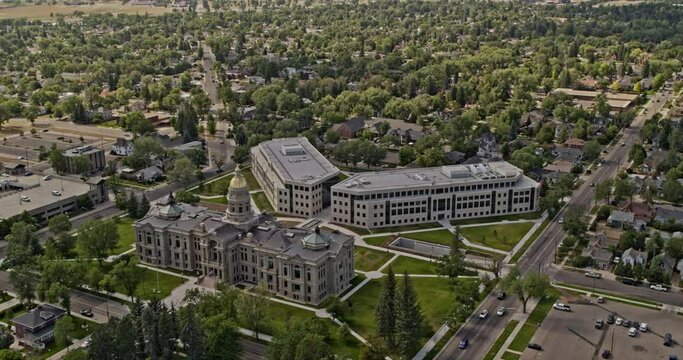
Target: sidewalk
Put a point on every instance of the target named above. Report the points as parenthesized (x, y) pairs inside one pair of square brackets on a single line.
[(522, 318)]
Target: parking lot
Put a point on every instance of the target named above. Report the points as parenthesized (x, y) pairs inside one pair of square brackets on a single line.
[(21, 148), (572, 335)]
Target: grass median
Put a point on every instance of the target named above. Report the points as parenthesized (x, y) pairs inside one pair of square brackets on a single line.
[(529, 241), (501, 340)]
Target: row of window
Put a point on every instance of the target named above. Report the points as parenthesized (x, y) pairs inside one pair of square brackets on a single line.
[(388, 195)]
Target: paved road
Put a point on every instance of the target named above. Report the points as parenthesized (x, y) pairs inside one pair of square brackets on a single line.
[(210, 79), (643, 291), (539, 256)]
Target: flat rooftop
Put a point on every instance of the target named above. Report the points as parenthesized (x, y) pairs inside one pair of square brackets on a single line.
[(590, 93), (81, 150), (296, 160), (41, 195), (436, 176)]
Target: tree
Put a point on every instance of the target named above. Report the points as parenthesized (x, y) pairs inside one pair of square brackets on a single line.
[(59, 224), (407, 155), (313, 347), (143, 207), (145, 150), (186, 197), (24, 286), (81, 164), (57, 278), (385, 312), (603, 190), (58, 161), (192, 335), (574, 223), (183, 171), (7, 354), (526, 287), (6, 339), (222, 339), (240, 155), (591, 150), (623, 189), (211, 124), (132, 206), (252, 308), (337, 308), (197, 156), (127, 275), (97, 238), (466, 296), (22, 245), (674, 248), (186, 121), (31, 113), (376, 350), (409, 319), (453, 264), (63, 327)]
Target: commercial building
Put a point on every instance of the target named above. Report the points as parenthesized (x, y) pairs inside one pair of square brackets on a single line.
[(44, 199), (93, 154), (294, 175), (423, 195), (238, 246), (586, 98)]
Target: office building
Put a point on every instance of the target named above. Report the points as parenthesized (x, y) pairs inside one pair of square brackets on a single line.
[(424, 195), (93, 154), (294, 175)]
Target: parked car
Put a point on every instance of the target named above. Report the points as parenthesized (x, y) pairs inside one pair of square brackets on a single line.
[(87, 312), (643, 327), (658, 287), (606, 354), (463, 343), (667, 339), (599, 323), (632, 332), (562, 307), (47, 177), (610, 319), (619, 321), (593, 275), (601, 300), (85, 344), (632, 282), (502, 295), (483, 314), (535, 346), (560, 220), (626, 323), (501, 311), (56, 193), (25, 198)]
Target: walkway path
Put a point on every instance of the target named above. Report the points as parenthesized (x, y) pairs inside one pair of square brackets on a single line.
[(522, 318), (432, 342), (526, 237)]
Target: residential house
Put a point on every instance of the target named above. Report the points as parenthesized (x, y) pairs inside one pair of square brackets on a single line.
[(620, 219), (149, 174), (560, 166), (572, 155), (598, 250), (350, 128), (407, 132), (36, 327), (488, 146), (575, 143), (248, 113), (641, 211), (665, 214), (668, 264), (122, 147), (192, 145), (679, 266), (532, 119), (632, 256)]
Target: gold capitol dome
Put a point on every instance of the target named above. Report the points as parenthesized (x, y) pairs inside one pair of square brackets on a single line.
[(238, 182)]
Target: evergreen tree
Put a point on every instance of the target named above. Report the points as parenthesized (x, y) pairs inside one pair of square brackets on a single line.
[(143, 207), (385, 312), (192, 335), (409, 320), (133, 206), (125, 338)]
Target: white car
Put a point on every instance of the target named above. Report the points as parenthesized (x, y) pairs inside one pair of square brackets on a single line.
[(658, 287), (561, 220), (25, 198), (643, 327), (562, 307), (56, 193), (47, 177), (483, 314), (618, 321), (85, 344), (501, 311), (632, 332)]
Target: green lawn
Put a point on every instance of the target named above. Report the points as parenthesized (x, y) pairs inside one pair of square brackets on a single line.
[(148, 284), (510, 356), (502, 236), (365, 259), (251, 180), (377, 240), (523, 337), (218, 186), (281, 316), (501, 340), (126, 231), (262, 202), (530, 241), (219, 200), (442, 236), (399, 229), (536, 317), (492, 219), (434, 294), (412, 266)]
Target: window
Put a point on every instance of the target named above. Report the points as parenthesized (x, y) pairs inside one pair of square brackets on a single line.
[(297, 272)]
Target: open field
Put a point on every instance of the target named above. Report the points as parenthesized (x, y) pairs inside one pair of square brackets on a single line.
[(49, 12), (262, 202), (126, 235), (502, 237)]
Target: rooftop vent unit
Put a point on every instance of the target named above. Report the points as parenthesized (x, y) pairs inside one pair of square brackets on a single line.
[(293, 149), (289, 234), (364, 181), (263, 228), (46, 315)]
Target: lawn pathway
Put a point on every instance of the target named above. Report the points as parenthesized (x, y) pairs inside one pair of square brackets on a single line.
[(520, 244)]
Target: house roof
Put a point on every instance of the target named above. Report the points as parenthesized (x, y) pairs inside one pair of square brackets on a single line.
[(635, 254), (621, 216), (663, 214), (38, 316), (10, 165), (568, 154), (575, 142), (149, 172), (355, 123), (597, 253)]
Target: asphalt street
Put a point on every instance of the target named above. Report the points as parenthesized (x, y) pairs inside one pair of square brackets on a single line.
[(540, 255)]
